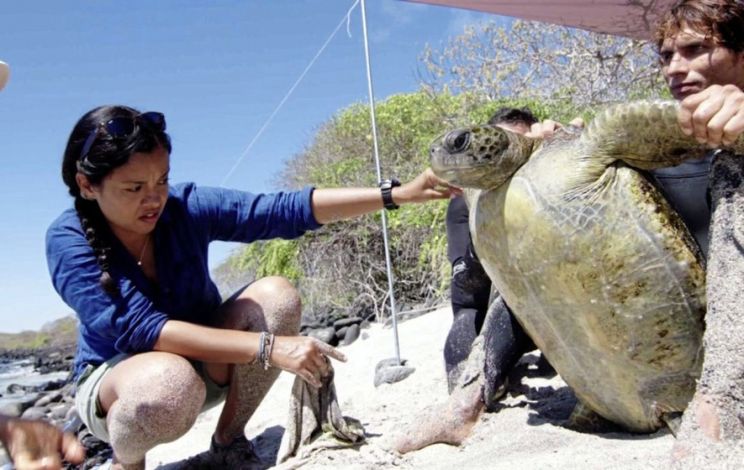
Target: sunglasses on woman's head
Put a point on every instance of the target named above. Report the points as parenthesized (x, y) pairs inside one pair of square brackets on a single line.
[(123, 127)]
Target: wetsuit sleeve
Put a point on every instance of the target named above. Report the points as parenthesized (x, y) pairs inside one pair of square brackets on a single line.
[(458, 229), (231, 215), (125, 323)]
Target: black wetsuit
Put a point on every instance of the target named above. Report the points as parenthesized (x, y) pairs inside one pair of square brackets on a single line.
[(685, 186), (470, 289), (506, 341)]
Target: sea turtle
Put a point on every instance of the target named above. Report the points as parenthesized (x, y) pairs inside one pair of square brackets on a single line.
[(595, 264)]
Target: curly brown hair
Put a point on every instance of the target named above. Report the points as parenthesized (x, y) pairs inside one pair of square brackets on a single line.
[(722, 20)]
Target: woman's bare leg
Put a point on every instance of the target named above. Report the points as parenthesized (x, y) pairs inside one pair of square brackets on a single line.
[(150, 398), (270, 304)]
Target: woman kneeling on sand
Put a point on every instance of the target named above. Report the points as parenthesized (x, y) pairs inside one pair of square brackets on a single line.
[(156, 344)]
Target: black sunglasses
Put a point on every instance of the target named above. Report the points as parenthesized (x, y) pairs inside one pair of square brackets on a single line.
[(123, 127)]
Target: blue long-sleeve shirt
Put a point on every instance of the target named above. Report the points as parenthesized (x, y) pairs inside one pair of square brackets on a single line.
[(193, 217)]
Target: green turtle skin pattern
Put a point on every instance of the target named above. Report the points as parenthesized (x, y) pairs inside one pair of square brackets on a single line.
[(595, 264)]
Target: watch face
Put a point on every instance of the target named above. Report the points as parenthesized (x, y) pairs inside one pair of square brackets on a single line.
[(386, 187), (388, 184)]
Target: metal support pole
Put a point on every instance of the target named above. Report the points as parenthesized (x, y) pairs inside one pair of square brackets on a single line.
[(388, 264)]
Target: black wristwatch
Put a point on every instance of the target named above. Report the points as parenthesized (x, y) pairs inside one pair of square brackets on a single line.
[(386, 186)]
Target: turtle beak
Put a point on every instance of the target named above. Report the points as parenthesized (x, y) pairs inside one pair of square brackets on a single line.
[(437, 159)]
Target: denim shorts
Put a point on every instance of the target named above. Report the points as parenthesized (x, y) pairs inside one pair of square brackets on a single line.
[(88, 385)]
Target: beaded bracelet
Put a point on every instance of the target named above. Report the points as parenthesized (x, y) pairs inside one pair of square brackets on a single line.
[(267, 350), (261, 347), (265, 346)]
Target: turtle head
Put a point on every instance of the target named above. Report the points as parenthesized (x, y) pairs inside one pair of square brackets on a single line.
[(481, 157)]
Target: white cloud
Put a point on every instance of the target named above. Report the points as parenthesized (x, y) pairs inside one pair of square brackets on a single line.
[(402, 13), (396, 14)]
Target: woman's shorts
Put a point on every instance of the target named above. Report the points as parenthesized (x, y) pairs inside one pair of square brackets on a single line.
[(88, 385)]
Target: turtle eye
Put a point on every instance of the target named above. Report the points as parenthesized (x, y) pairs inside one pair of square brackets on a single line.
[(457, 141)]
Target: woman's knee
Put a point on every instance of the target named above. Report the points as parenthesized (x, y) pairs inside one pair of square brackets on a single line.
[(280, 303), (164, 386), (159, 398), (274, 287), (268, 304)]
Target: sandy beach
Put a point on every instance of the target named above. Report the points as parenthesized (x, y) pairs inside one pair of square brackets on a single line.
[(525, 434)]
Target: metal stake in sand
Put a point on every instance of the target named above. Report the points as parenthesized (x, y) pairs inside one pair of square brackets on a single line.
[(388, 370)]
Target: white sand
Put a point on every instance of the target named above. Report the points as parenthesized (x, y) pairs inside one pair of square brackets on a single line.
[(523, 435)]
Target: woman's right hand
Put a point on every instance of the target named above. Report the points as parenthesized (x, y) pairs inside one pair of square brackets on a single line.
[(304, 356)]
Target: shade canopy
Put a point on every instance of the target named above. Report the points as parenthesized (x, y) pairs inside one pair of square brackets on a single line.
[(630, 18)]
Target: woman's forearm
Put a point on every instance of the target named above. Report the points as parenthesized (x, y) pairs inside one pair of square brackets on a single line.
[(330, 205), (334, 204), (208, 344)]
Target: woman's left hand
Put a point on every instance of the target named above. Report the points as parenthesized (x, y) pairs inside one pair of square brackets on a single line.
[(425, 187)]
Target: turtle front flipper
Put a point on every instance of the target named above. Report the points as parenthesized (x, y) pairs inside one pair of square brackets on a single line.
[(480, 385), (448, 423), (643, 134), (452, 421)]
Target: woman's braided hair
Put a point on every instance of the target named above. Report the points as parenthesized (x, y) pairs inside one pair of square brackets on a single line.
[(105, 155)]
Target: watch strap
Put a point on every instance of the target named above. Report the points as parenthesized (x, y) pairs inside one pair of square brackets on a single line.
[(386, 187)]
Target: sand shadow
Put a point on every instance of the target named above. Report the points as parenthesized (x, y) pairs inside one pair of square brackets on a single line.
[(551, 405), (265, 445)]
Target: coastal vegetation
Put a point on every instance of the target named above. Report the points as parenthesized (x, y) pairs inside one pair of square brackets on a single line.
[(60, 333)]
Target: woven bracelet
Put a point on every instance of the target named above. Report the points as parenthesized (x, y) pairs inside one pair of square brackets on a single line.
[(267, 351), (261, 347)]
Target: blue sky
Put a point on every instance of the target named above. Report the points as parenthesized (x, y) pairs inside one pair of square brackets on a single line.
[(216, 69)]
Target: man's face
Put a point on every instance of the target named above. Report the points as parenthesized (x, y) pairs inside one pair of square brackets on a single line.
[(691, 62)]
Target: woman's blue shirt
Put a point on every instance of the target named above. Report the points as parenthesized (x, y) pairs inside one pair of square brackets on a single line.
[(192, 218)]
